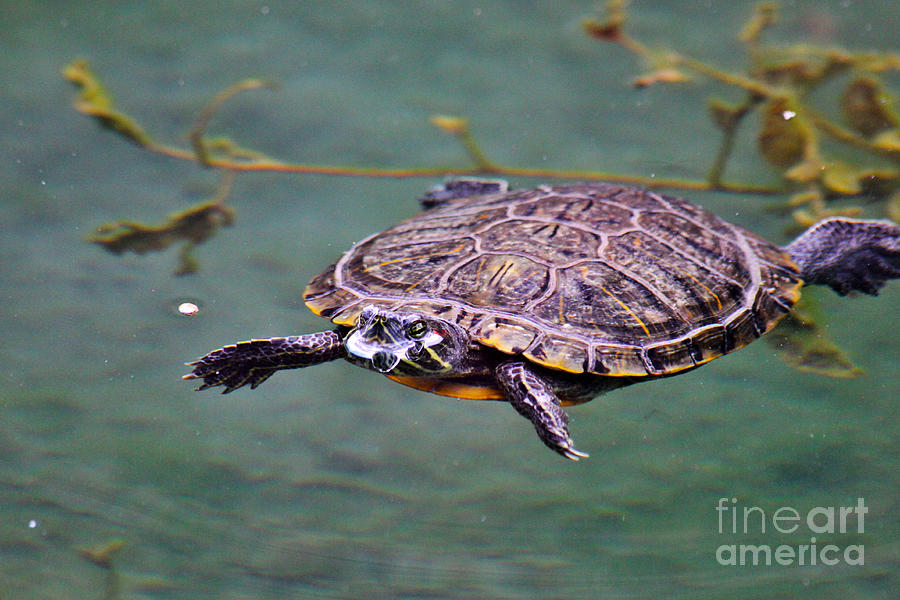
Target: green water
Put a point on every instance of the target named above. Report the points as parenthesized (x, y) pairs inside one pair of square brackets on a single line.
[(334, 482)]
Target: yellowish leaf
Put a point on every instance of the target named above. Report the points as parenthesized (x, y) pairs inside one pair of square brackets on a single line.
[(805, 172), (450, 124), (93, 100), (839, 178), (807, 197), (888, 140), (666, 75)]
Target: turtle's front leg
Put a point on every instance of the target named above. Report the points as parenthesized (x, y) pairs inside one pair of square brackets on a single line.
[(254, 361), (535, 400)]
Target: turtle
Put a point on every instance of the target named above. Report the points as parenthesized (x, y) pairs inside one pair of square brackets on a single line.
[(551, 296)]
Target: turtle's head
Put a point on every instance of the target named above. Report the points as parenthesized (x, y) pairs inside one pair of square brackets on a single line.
[(404, 343)]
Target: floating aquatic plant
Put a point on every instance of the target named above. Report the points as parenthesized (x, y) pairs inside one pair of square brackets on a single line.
[(776, 85), (191, 227)]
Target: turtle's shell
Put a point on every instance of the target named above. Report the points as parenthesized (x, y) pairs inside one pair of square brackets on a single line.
[(583, 278)]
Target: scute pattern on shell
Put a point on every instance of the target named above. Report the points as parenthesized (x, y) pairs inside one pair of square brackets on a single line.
[(594, 278)]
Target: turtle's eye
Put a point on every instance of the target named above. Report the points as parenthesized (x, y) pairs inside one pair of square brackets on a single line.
[(417, 329)]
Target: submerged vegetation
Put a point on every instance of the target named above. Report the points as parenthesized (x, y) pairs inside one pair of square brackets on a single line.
[(795, 137), (102, 556), (843, 147), (192, 226)]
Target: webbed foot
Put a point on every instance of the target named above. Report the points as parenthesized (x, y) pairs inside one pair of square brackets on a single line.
[(254, 361)]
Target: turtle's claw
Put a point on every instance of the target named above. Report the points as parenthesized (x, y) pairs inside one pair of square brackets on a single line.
[(572, 454), (533, 398), (223, 367)]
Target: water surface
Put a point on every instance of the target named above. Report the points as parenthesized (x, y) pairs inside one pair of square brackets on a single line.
[(334, 482)]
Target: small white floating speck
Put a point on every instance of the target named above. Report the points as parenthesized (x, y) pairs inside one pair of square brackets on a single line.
[(188, 309)]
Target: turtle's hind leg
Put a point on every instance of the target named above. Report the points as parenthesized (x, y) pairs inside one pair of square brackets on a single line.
[(462, 187), (254, 361), (848, 254), (534, 399)]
